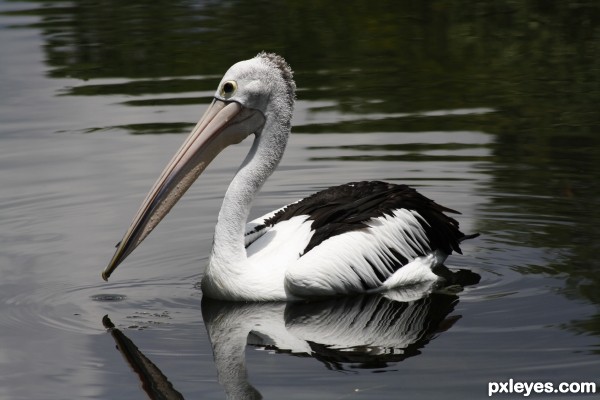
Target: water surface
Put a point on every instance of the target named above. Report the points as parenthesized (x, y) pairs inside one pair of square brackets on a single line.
[(488, 109)]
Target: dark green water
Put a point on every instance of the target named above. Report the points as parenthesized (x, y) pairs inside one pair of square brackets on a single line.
[(489, 108)]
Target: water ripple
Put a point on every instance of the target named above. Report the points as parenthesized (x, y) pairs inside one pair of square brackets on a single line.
[(80, 308)]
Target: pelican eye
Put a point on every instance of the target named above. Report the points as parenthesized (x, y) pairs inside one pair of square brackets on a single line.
[(228, 89)]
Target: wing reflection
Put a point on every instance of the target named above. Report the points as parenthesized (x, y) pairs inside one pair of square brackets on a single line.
[(369, 332)]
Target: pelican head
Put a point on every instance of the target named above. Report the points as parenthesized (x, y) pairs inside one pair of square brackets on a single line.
[(252, 94)]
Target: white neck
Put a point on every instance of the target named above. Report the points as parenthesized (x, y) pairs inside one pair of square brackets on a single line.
[(231, 224), (228, 257)]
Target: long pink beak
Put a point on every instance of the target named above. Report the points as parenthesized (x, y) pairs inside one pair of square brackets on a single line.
[(223, 124)]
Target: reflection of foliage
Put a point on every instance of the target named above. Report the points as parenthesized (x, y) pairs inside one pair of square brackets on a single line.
[(154, 128), (536, 63), (532, 61), (432, 44), (145, 86)]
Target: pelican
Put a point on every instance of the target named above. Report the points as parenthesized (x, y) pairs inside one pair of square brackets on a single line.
[(360, 237)]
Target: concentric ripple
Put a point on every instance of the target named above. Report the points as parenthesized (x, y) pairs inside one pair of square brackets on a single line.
[(80, 309)]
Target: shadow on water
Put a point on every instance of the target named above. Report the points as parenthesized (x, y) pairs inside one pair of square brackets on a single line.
[(363, 332)]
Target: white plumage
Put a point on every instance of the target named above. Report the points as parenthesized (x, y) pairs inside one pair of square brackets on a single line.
[(342, 263)]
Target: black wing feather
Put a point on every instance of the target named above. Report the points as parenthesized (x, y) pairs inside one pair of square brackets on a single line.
[(349, 207)]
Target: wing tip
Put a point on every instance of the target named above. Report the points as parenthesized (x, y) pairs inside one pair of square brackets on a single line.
[(467, 237)]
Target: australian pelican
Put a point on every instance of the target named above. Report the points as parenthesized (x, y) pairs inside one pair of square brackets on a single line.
[(360, 237)]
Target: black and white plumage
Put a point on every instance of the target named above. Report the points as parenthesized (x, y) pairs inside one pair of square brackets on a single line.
[(354, 238)]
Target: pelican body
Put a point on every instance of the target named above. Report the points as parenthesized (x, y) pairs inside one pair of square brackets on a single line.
[(360, 237)]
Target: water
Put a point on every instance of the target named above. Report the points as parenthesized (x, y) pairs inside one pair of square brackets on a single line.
[(489, 109)]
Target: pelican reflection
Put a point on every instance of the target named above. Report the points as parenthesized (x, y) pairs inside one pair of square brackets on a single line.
[(367, 331)]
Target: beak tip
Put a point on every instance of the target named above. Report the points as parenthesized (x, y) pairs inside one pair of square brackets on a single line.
[(114, 262), (107, 323), (105, 276)]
